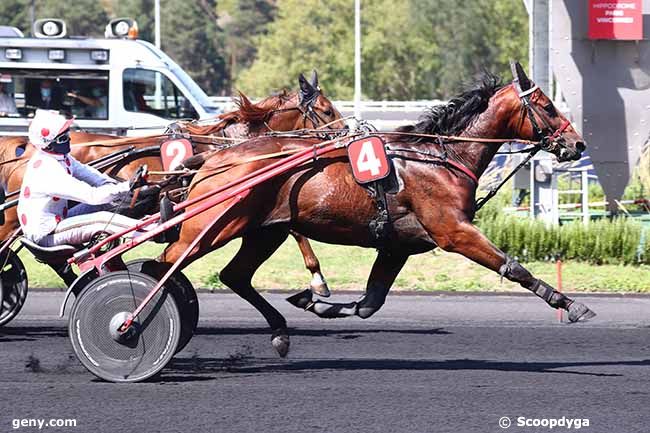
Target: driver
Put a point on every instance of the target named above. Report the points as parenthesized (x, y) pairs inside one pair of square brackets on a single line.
[(53, 177)]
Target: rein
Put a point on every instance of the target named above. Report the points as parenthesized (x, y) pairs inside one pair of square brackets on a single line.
[(546, 142), (116, 141)]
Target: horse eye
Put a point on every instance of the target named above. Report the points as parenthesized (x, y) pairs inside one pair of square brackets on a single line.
[(327, 112)]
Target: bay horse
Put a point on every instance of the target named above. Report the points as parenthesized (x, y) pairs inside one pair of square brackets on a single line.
[(284, 111), (432, 205)]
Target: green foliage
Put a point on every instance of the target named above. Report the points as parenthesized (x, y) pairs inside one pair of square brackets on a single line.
[(244, 22), (82, 17), (15, 13), (411, 49), (398, 59), (189, 36), (619, 241), (307, 34), (473, 36)]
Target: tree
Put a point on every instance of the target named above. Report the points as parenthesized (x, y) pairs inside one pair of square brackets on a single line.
[(189, 35), (473, 36), (306, 35), (82, 17), (398, 61), (243, 23), (15, 13), (411, 49)]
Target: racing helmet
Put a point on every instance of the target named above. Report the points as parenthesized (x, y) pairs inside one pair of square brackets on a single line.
[(46, 126)]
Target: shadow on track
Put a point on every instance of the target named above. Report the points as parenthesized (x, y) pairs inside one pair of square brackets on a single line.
[(31, 333), (319, 332), (250, 365)]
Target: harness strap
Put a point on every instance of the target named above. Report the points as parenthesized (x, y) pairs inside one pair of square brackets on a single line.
[(442, 159), (459, 138), (560, 130), (529, 91)]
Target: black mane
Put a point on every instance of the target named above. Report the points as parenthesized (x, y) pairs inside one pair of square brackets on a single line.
[(456, 115)]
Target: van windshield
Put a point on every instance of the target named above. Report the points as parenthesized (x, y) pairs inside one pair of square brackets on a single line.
[(83, 94)]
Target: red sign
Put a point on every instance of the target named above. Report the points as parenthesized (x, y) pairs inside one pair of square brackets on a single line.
[(368, 159), (616, 19), (174, 152)]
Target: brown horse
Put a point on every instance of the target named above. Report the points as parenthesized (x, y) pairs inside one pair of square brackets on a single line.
[(432, 203), (286, 111)]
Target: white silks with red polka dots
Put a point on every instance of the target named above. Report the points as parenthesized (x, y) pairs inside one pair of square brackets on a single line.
[(50, 181)]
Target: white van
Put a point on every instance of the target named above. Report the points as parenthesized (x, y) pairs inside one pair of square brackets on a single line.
[(117, 85)]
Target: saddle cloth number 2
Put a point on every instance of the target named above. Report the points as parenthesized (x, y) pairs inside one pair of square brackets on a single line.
[(368, 159), (174, 152)]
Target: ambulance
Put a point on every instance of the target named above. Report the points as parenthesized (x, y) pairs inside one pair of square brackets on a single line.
[(118, 84)]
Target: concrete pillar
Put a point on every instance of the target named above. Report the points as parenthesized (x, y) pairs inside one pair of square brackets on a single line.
[(539, 12)]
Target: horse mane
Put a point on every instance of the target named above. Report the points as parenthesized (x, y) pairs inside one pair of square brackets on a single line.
[(246, 112), (456, 115)]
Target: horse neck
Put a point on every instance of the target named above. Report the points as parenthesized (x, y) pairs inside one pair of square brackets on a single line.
[(495, 122)]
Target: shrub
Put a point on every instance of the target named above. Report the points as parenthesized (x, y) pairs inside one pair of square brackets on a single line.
[(616, 241)]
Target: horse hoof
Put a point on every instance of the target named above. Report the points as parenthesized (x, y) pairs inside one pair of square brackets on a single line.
[(301, 300), (319, 286), (321, 290), (579, 312), (281, 343)]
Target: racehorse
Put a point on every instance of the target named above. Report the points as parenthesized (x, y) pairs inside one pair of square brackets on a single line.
[(285, 111), (436, 164)]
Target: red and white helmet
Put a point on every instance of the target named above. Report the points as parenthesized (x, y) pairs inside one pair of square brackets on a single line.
[(45, 126)]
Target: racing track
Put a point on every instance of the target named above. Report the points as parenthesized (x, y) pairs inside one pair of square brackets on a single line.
[(423, 364)]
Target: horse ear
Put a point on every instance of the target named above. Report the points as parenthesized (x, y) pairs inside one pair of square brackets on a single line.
[(520, 77), (314, 80), (307, 91), (305, 87)]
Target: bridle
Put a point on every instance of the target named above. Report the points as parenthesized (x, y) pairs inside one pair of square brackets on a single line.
[(308, 113), (306, 107), (549, 141)]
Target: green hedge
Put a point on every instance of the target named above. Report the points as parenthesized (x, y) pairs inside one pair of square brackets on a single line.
[(617, 241)]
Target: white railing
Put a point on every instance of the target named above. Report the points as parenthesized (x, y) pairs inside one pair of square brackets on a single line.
[(226, 102)]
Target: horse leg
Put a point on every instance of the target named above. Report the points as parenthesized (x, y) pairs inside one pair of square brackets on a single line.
[(318, 284), (467, 240), (255, 249), (383, 274)]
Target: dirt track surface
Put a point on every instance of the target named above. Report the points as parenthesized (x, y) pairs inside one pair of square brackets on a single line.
[(422, 364)]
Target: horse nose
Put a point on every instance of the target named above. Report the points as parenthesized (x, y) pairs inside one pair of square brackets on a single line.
[(580, 146)]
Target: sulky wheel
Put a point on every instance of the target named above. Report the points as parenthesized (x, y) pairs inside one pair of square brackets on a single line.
[(181, 289), (145, 348), (13, 278)]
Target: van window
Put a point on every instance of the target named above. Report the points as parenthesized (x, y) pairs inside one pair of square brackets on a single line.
[(152, 92), (83, 94)]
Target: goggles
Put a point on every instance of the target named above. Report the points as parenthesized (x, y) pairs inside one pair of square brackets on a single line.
[(62, 138)]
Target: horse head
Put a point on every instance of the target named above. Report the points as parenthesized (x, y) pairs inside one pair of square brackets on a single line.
[(540, 120), (317, 111)]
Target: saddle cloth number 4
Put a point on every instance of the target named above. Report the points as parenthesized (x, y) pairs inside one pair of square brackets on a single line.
[(368, 159), (174, 152)]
